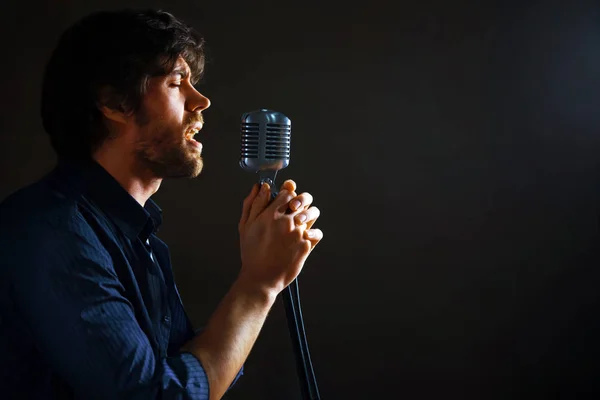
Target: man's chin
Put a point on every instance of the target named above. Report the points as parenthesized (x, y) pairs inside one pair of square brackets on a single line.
[(198, 170), (193, 165), (189, 169)]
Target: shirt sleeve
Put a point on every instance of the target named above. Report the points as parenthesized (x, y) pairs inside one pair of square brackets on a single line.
[(240, 372), (86, 329)]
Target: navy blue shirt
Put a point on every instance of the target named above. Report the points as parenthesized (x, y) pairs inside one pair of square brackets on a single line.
[(89, 308)]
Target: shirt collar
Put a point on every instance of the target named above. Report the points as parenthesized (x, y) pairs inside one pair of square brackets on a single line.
[(107, 193)]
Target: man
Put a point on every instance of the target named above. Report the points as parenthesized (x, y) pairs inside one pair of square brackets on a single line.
[(88, 304)]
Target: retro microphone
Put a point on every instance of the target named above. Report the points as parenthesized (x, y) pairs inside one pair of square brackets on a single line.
[(265, 149)]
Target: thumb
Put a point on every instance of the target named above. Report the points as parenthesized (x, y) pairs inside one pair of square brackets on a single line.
[(248, 204), (260, 202)]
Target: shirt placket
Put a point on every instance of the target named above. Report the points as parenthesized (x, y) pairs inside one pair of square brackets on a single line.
[(163, 326)]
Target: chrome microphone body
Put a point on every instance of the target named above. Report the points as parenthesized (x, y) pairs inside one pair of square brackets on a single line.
[(265, 143)]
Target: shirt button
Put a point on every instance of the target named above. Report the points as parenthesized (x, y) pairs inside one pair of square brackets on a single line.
[(166, 319)]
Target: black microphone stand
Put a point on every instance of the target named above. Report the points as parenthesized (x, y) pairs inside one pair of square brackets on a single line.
[(293, 311), (306, 375)]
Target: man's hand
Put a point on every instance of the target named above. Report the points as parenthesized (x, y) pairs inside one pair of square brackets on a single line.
[(275, 241), (276, 237)]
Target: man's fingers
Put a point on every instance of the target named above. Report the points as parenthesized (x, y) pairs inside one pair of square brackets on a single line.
[(261, 201), (307, 216), (247, 204), (314, 235), (280, 202), (302, 201)]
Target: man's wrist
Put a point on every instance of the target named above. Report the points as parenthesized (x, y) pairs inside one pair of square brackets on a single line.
[(254, 293)]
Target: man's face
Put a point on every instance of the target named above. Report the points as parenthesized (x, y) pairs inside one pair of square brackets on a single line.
[(169, 116)]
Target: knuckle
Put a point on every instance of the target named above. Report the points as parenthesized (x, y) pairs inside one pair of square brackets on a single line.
[(306, 246), (298, 235), (286, 195), (290, 225)]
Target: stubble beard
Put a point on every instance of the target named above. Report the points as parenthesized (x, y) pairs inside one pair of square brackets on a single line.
[(166, 154)]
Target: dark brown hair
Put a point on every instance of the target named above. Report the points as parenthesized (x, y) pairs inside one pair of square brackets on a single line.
[(107, 58)]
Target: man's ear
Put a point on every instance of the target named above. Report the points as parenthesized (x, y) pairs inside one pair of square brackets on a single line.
[(113, 114), (110, 105)]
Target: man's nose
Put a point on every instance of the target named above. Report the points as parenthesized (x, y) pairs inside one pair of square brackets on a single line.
[(198, 102)]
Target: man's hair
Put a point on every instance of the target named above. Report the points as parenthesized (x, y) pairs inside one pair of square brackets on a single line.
[(106, 59)]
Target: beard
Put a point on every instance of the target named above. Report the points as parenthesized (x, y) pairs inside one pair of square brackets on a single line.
[(165, 152)]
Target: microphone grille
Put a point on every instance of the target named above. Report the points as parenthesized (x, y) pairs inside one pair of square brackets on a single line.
[(265, 140), (278, 141), (250, 139)]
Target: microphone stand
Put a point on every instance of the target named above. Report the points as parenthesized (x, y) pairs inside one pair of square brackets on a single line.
[(304, 369), (293, 311)]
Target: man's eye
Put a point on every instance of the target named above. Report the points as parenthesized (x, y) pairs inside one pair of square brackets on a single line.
[(175, 84)]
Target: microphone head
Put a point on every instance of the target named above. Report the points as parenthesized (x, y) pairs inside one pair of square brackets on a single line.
[(265, 141)]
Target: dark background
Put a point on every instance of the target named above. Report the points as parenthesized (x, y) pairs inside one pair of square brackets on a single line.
[(453, 150)]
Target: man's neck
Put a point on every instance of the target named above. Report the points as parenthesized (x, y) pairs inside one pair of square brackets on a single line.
[(137, 181)]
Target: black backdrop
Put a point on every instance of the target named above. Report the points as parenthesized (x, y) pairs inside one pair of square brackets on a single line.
[(452, 148)]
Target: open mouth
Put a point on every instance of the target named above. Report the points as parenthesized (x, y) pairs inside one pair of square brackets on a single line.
[(189, 135)]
